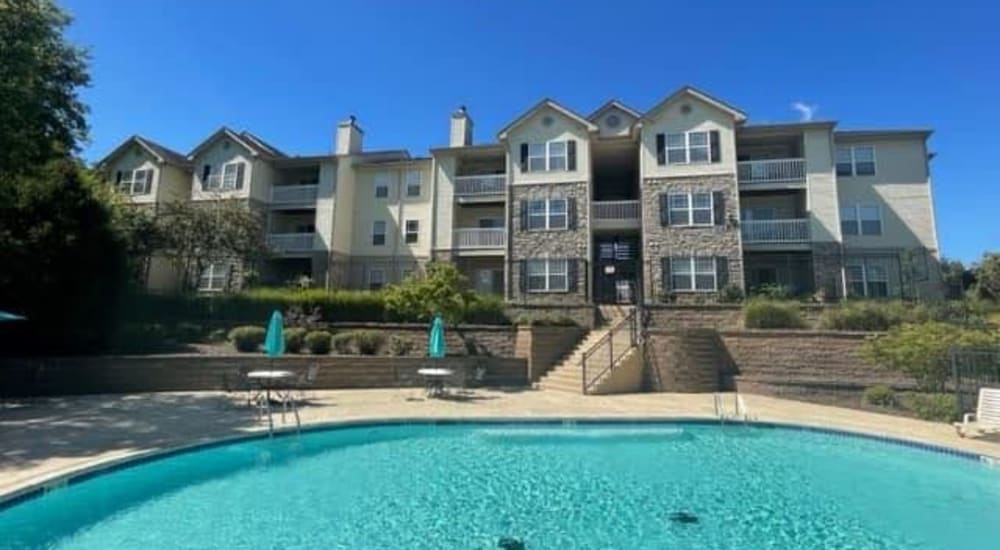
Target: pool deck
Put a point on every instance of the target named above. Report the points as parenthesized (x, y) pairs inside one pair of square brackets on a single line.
[(44, 440)]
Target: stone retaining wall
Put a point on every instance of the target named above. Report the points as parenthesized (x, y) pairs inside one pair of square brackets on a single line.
[(714, 316), (126, 374), (544, 346), (487, 340)]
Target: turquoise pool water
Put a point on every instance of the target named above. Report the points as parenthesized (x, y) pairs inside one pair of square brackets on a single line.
[(466, 486)]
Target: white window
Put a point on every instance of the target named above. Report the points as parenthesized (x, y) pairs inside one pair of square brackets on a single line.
[(382, 185), (135, 182), (858, 160), (232, 176), (688, 147), (693, 274), (376, 278), (378, 233), (214, 277), (548, 275), (412, 231), (691, 209), (861, 219), (552, 155), (548, 214), (413, 183), (868, 277)]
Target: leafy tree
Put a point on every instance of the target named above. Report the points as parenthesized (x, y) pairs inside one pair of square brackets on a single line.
[(441, 290), (956, 277), (988, 277), (192, 235), (921, 350), (41, 115)]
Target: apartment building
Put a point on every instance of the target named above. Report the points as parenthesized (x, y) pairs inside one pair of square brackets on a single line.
[(673, 204)]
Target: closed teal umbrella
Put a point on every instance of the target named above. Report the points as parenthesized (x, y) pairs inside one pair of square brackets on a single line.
[(7, 316), (435, 344), (274, 342)]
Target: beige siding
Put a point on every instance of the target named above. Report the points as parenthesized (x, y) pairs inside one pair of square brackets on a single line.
[(901, 188), (469, 216), (820, 183), (173, 184), (395, 210), (218, 154), (326, 195), (703, 117), (562, 128), (342, 219), (135, 158), (625, 121), (444, 200)]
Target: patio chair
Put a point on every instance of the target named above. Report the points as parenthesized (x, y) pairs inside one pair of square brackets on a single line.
[(987, 416), (236, 381), (307, 381)]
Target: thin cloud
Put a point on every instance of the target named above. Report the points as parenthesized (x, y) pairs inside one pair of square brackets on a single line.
[(806, 111)]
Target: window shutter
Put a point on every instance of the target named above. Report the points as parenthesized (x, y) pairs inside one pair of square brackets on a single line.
[(661, 149), (665, 273), (205, 172), (719, 203), (572, 274), (524, 215), (721, 272), (118, 177), (571, 155), (239, 174), (524, 157), (522, 279), (713, 137), (571, 213), (664, 210)]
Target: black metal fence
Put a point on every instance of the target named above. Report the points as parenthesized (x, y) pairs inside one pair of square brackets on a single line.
[(972, 369)]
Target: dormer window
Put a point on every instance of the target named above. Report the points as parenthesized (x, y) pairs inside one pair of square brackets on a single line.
[(688, 148), (550, 156), (231, 178), (134, 182)]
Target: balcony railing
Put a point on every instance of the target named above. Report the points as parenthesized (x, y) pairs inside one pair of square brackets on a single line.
[(752, 172), (616, 210), (480, 186), (775, 231), (291, 242), (293, 194), (480, 238)]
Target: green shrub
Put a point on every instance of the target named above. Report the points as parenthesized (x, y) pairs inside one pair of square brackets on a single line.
[(773, 291), (921, 350), (761, 313), (858, 316), (486, 309), (400, 346), (938, 407), (318, 342), (880, 395), (368, 342), (247, 339), (546, 320), (343, 343), (731, 294), (188, 332), (295, 338)]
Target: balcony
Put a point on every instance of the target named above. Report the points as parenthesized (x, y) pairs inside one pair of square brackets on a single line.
[(615, 214), (291, 243), (482, 188), (293, 196), (783, 233), (490, 240), (778, 173)]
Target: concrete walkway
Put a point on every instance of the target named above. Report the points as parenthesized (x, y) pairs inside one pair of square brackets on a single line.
[(42, 440)]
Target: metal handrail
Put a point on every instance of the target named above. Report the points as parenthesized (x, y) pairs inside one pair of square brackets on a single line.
[(628, 323)]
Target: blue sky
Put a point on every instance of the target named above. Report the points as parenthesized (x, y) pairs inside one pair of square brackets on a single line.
[(175, 70)]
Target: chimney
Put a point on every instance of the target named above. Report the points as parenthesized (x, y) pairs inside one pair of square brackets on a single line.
[(461, 128), (349, 136)]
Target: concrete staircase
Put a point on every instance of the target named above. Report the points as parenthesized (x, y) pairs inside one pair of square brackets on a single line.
[(567, 375)]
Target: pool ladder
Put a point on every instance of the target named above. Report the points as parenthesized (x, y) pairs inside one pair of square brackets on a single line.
[(740, 409)]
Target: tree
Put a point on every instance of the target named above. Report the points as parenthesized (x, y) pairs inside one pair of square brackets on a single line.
[(41, 115), (988, 276), (956, 278), (441, 290), (192, 235)]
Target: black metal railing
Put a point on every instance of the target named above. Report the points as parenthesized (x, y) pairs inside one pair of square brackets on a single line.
[(600, 358), (973, 368)]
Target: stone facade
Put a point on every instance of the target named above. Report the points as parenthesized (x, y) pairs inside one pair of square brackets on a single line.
[(572, 243), (721, 240), (828, 272)]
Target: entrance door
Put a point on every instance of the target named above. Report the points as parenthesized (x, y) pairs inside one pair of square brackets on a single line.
[(616, 272)]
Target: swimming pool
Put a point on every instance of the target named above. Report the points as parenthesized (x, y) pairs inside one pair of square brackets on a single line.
[(547, 485)]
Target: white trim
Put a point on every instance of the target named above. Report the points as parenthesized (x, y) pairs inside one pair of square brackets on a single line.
[(690, 209), (866, 276), (548, 273), (407, 232), (687, 147), (381, 272), (212, 277), (127, 185), (548, 156), (407, 183), (694, 273), (850, 149), (857, 221), (383, 180), (547, 215), (385, 230)]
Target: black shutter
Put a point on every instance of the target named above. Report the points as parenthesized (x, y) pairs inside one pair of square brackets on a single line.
[(714, 142), (661, 149), (239, 175), (664, 210), (721, 272), (522, 279), (571, 155), (524, 215), (571, 213), (572, 274), (665, 274), (118, 177), (719, 203), (205, 172), (524, 157)]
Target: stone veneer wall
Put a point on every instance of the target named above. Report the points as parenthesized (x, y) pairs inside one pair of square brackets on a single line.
[(714, 316), (125, 374), (828, 263), (659, 241), (584, 316), (485, 340), (543, 347), (573, 243)]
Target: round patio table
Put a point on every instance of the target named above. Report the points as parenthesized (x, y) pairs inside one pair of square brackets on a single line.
[(434, 379), (269, 380)]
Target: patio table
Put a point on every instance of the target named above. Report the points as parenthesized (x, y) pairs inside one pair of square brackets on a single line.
[(268, 380), (434, 379)]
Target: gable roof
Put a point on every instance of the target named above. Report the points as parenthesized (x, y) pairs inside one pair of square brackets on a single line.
[(688, 90), (613, 103), (551, 104), (162, 153), (250, 142), (267, 147)]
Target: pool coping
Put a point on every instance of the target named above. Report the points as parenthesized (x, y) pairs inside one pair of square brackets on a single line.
[(58, 479)]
